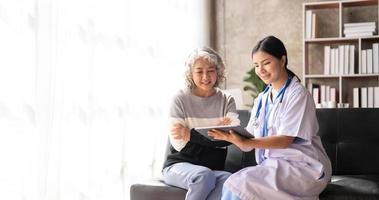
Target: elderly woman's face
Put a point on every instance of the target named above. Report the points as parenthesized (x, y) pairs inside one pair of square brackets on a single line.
[(204, 75)]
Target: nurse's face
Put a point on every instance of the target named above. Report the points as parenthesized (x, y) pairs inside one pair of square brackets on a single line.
[(270, 69), (204, 75)]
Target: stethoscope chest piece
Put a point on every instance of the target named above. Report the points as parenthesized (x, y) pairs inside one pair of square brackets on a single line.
[(280, 95), (255, 122)]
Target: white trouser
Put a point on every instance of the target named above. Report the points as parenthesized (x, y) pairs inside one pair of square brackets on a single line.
[(228, 195), (200, 182)]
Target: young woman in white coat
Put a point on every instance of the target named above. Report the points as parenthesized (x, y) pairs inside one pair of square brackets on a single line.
[(291, 161)]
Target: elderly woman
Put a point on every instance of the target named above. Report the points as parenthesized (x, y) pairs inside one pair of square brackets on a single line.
[(196, 163)]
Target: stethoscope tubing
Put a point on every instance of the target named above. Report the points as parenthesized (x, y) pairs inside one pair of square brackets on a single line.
[(281, 95)]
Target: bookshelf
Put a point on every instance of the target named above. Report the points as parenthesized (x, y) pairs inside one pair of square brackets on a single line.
[(340, 51)]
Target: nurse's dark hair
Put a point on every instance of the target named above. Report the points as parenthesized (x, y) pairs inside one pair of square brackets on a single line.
[(274, 47)]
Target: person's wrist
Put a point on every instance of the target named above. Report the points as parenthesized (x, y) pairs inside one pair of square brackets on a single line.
[(240, 144), (188, 134)]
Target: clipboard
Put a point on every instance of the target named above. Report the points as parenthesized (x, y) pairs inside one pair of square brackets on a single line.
[(236, 128)]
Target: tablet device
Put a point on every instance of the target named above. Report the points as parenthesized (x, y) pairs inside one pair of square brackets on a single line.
[(236, 128)]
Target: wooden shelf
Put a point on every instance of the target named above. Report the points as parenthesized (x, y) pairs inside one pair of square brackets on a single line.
[(329, 40), (332, 15), (339, 39), (322, 5), (321, 76), (360, 75), (358, 3), (337, 76)]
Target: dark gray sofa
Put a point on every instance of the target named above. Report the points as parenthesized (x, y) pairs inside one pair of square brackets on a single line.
[(351, 139)]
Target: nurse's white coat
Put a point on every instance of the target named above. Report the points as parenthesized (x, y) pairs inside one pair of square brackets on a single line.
[(300, 171)]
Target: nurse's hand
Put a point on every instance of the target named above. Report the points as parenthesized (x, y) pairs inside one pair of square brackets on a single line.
[(231, 137), (180, 132), (219, 135)]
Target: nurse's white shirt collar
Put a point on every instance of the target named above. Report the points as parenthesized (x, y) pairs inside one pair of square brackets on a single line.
[(272, 93)]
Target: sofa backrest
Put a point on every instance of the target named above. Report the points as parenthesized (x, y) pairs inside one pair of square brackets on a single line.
[(350, 138)]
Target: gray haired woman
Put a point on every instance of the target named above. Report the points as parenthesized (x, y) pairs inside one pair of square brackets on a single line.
[(194, 162)]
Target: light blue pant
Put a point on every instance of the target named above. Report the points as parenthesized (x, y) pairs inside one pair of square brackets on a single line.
[(200, 182), (228, 195)]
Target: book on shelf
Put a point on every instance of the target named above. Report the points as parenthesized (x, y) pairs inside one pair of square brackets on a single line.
[(351, 59), (346, 59), (316, 95), (376, 97), (363, 67), (343, 56), (355, 97), (339, 60), (336, 61), (311, 24), (363, 34), (359, 24), (322, 94), (364, 97), (375, 56), (327, 60), (310, 87), (308, 24), (333, 94), (332, 61), (359, 30), (370, 97), (369, 61), (327, 93)]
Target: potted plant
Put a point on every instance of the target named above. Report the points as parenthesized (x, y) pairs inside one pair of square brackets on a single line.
[(254, 84)]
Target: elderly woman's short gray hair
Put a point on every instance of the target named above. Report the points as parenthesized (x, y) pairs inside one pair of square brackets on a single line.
[(212, 57)]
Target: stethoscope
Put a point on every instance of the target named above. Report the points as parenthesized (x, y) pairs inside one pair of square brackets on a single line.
[(264, 131), (279, 95)]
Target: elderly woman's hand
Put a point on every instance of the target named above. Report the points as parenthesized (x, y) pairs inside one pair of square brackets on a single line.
[(180, 132), (225, 121)]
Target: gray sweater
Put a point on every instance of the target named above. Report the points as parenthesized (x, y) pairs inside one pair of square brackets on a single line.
[(194, 111)]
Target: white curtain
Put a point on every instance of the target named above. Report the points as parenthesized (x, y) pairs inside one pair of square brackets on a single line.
[(85, 87)]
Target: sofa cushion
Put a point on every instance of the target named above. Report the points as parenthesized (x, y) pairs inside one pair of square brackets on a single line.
[(328, 129), (358, 140), (157, 190), (352, 187), (350, 138)]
